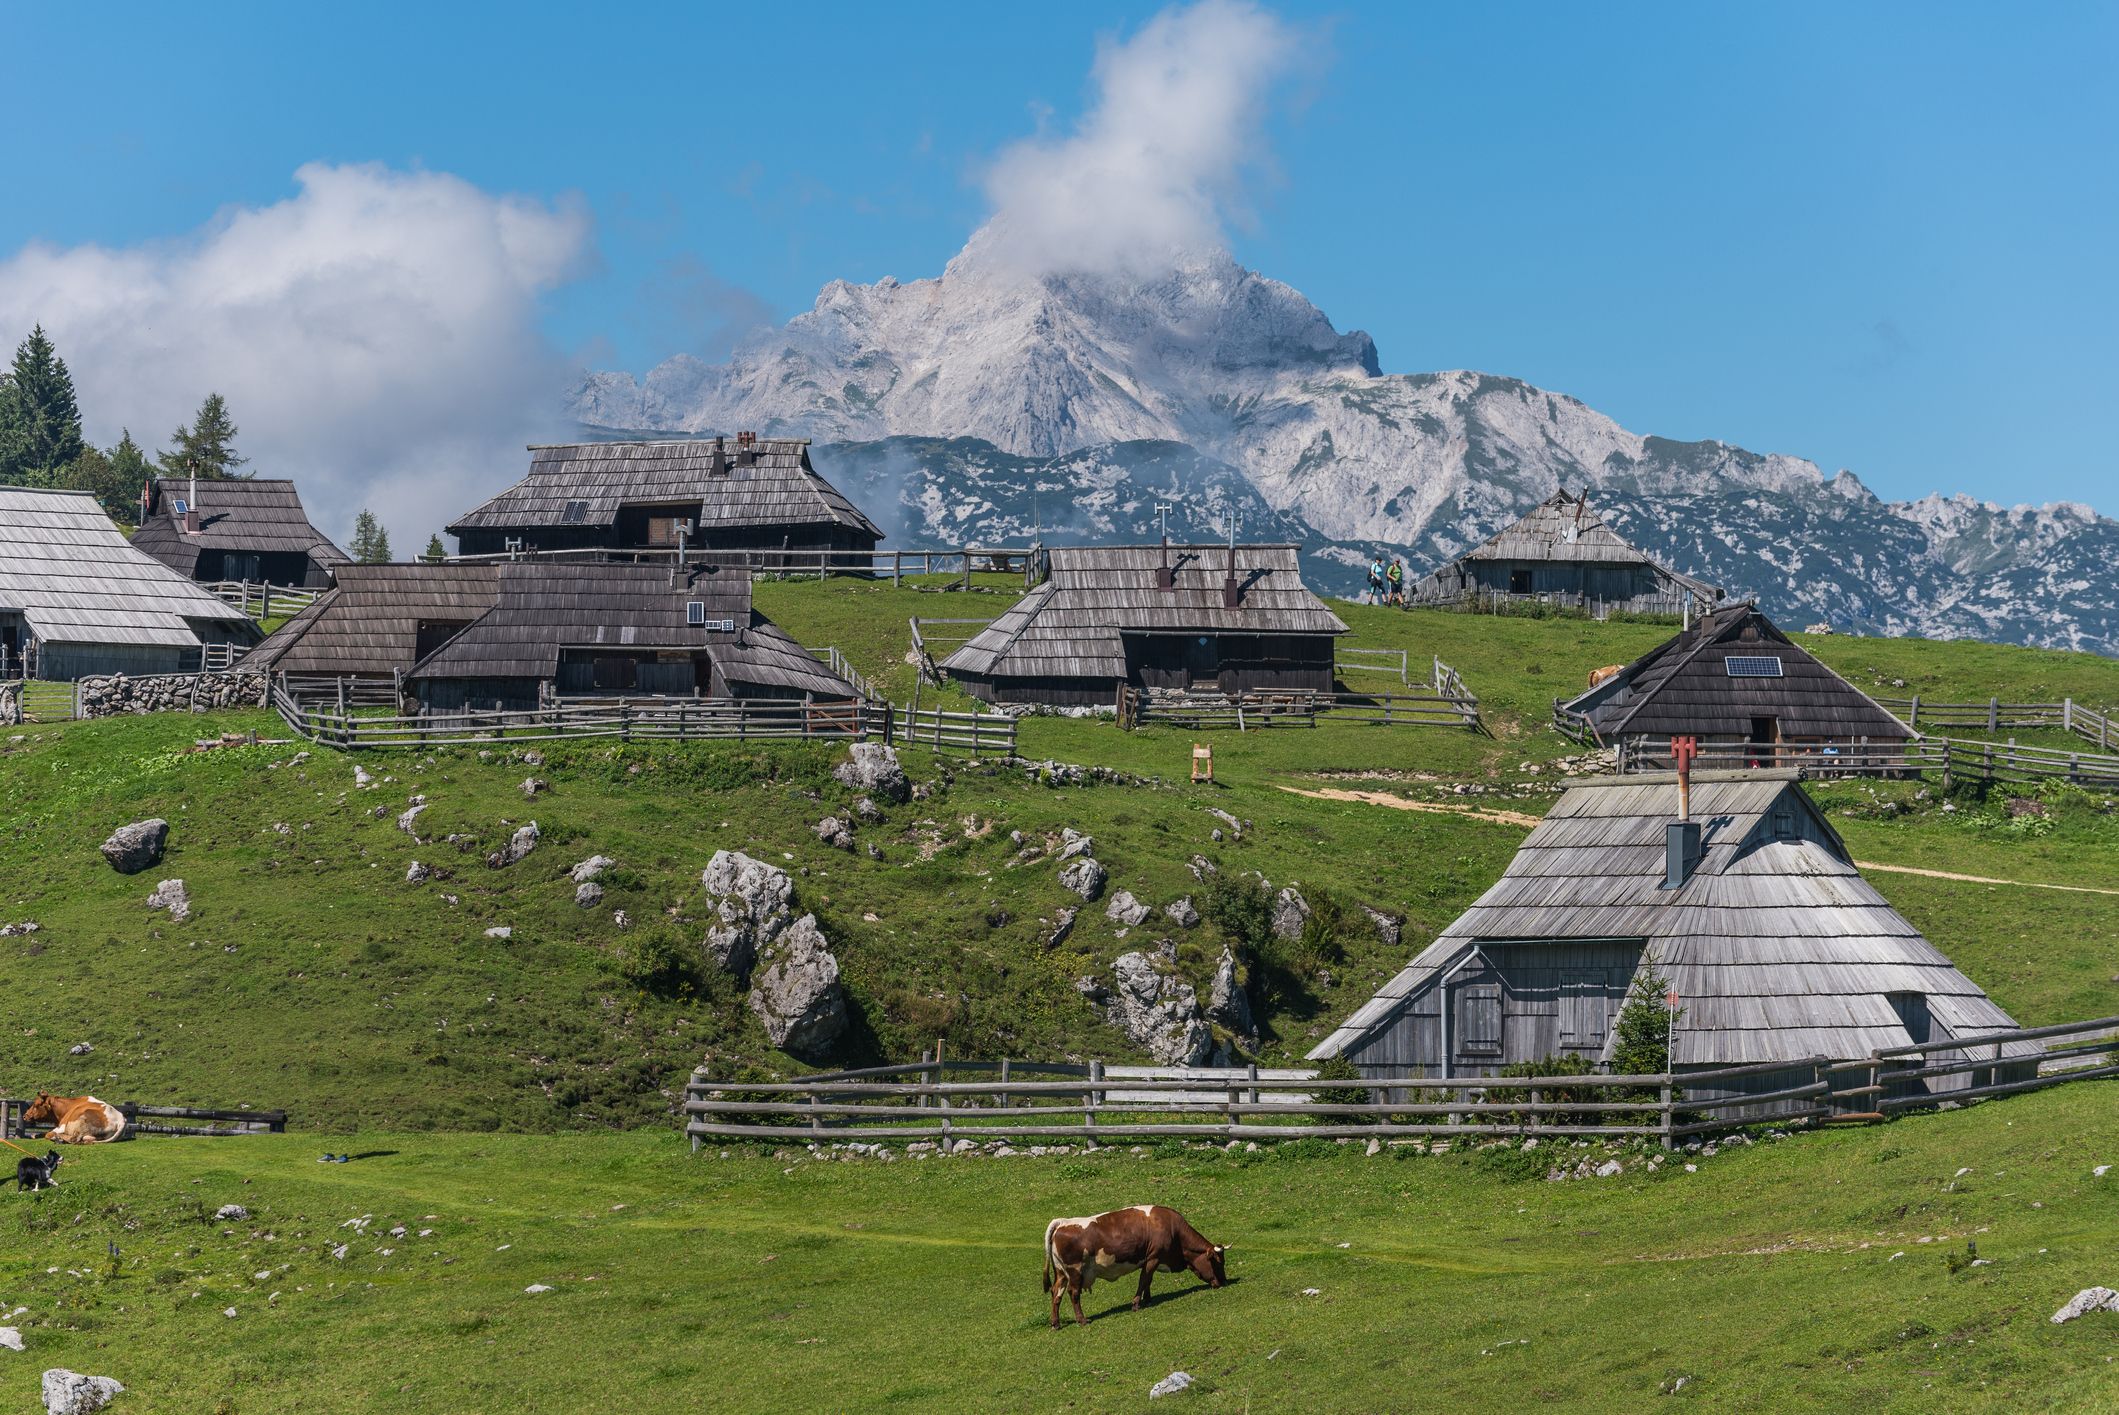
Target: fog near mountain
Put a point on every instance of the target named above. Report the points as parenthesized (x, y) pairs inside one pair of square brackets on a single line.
[(1003, 400)]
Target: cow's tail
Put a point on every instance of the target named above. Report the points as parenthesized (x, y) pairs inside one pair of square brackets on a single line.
[(1050, 1260)]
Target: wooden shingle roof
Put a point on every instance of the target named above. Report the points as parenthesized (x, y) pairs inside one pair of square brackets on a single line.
[(1686, 686), (71, 574), (1566, 529), (545, 606), (250, 514), (1777, 947), (369, 624), (585, 484), (1073, 625)]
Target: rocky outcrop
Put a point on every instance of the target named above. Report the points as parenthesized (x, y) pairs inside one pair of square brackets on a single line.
[(1183, 913), (798, 996), (518, 848), (120, 693), (1158, 1011), (170, 895), (1084, 876), (1228, 1007), (873, 770), (133, 848), (1125, 910), (753, 904), (2090, 1299), (588, 895), (1389, 927), (835, 831), (1290, 912), (10, 704), (417, 873), (71, 1393), (591, 868)]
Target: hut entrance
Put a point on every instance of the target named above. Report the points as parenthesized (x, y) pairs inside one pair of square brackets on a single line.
[(1202, 662), (1519, 582)]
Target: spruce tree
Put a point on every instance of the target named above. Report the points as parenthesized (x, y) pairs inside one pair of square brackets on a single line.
[(371, 543), (1645, 1023), (435, 549), (207, 447), (130, 472), (40, 422)]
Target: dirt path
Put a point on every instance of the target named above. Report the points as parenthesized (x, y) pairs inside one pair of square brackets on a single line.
[(1401, 803), (1980, 879)]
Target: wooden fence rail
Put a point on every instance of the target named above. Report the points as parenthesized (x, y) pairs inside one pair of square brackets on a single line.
[(259, 600), (1259, 710), (1016, 1099), (156, 1119), (1994, 715), (958, 562), (1952, 758)]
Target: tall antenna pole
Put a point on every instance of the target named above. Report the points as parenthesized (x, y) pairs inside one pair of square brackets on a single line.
[(1162, 520)]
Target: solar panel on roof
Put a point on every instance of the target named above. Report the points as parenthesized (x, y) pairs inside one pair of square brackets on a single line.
[(576, 513), (1752, 665)]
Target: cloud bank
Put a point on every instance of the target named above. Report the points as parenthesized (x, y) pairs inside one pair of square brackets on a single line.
[(1158, 163), (375, 335)]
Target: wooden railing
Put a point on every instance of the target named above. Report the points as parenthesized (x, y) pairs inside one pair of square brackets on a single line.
[(156, 1119), (959, 562), (1994, 715), (261, 601), (1014, 1099), (1479, 600), (978, 733), (840, 664), (1260, 710), (1951, 758), (955, 632)]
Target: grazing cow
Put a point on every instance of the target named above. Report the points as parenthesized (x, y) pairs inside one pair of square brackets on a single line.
[(75, 1120), (1600, 676), (1145, 1237)]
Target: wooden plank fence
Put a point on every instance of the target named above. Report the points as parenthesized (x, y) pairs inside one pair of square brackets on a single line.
[(1951, 758), (959, 562), (1013, 1099), (1258, 711), (261, 601), (159, 1120), (1994, 715)]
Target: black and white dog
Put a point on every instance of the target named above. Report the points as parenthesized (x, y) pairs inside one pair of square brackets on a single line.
[(32, 1173)]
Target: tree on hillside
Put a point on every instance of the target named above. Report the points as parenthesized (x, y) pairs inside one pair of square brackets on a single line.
[(207, 447), (40, 422), (435, 549), (371, 543), (130, 472)]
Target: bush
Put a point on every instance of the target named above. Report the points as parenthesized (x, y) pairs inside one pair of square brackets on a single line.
[(1558, 1064), (1338, 1068)]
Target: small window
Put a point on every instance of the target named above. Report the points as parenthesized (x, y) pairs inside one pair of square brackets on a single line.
[(576, 513), (1753, 665), (1479, 1019), (695, 613), (1784, 823)]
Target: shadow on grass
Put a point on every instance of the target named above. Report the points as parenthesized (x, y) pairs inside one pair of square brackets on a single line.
[(1155, 1299)]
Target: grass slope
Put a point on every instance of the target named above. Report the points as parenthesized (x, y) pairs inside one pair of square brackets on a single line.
[(1769, 1280)]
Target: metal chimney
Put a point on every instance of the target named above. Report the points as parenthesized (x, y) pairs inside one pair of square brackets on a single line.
[(1229, 597), (191, 504), (717, 466), (1681, 838)]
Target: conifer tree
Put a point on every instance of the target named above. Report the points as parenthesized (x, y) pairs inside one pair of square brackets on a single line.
[(40, 422), (435, 549), (371, 542), (207, 447)]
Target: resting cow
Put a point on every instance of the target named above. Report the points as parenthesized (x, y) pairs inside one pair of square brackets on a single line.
[(1145, 1237), (1598, 677), (75, 1120)]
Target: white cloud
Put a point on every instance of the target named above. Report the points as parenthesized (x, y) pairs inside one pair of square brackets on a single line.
[(375, 335), (1157, 165)]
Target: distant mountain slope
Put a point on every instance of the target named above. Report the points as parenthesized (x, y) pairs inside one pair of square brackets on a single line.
[(996, 401)]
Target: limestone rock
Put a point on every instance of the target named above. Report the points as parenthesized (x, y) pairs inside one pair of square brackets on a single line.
[(835, 831), (753, 905), (533, 784), (873, 770), (1290, 912), (170, 895), (1158, 1012), (1084, 876), (591, 868), (588, 894), (71, 1393), (1389, 927), (408, 820), (500, 931), (416, 873), (1061, 927), (798, 996), (1183, 913), (1171, 1384), (133, 848), (1228, 1004), (1074, 843), (867, 809), (1125, 909), (518, 848), (2090, 1299)]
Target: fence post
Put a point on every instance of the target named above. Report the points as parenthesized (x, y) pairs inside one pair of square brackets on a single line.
[(1096, 1076), (1993, 714), (816, 1119), (1535, 1095), (1251, 1071), (1004, 1082), (1913, 717), (1669, 1111)]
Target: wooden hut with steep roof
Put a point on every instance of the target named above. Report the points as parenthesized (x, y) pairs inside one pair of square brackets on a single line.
[(379, 621), (1752, 909), (76, 598), (1228, 619), (759, 496), (1562, 552), (567, 630), (1747, 692), (242, 528)]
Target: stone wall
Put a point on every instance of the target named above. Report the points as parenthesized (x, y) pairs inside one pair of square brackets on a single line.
[(175, 692)]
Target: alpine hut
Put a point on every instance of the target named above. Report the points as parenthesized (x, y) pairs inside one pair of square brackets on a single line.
[(77, 599), (567, 630), (1229, 619), (237, 528), (378, 622), (1563, 553), (1747, 693), (1743, 898), (760, 496)]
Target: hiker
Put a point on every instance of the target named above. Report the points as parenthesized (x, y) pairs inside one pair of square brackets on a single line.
[(1376, 582), (1397, 582)]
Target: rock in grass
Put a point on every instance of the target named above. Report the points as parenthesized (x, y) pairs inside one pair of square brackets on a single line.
[(798, 996), (1228, 1004), (872, 768), (1183, 913), (1126, 910), (2090, 1299), (1389, 927), (755, 903), (1290, 912), (1158, 1011), (71, 1393), (416, 873), (1171, 1384), (11, 1338), (518, 848), (170, 895), (588, 896), (1084, 876), (231, 1213), (590, 868), (836, 831), (133, 848), (408, 820)]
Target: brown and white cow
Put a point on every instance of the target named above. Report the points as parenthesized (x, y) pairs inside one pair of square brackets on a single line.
[(1598, 677), (75, 1120), (1145, 1237)]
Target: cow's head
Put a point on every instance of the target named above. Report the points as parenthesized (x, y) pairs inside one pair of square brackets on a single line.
[(42, 1108), (1208, 1265)]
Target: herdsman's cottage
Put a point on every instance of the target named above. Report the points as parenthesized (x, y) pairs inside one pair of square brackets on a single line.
[(235, 529), (1227, 619), (1751, 908), (757, 495), (1750, 695), (562, 630), (1562, 552), (379, 621), (77, 599)]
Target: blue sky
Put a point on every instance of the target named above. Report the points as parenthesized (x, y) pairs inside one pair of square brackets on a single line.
[(1875, 236)]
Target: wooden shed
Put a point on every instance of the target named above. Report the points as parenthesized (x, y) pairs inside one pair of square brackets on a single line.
[(759, 495), (1229, 619), (1776, 946), (379, 621), (560, 630), (1563, 553), (1750, 695), (77, 599), (241, 528)]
